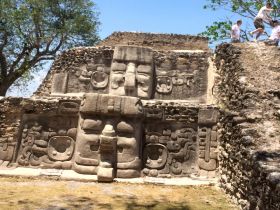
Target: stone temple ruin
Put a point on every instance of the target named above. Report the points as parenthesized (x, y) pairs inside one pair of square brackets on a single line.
[(142, 105)]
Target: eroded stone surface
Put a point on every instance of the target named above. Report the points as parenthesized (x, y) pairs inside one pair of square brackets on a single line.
[(249, 91), (137, 107), (118, 111)]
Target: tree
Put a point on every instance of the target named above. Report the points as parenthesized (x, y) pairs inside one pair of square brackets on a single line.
[(34, 31), (247, 9)]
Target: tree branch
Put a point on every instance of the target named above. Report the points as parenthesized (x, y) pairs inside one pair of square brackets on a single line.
[(3, 64), (20, 56), (49, 43), (38, 34), (5, 41), (252, 13), (61, 41)]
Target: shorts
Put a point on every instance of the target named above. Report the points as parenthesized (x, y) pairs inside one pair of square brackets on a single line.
[(235, 40), (258, 23)]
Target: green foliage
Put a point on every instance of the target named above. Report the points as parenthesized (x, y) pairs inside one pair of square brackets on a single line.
[(247, 9), (218, 31), (33, 31)]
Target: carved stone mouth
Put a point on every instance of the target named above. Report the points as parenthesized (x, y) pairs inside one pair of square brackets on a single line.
[(61, 148)]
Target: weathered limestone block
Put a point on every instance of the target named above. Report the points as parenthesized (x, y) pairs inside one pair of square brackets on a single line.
[(79, 70), (132, 72), (10, 119), (128, 70), (49, 134), (108, 145), (60, 82), (181, 75), (88, 114), (173, 140), (208, 139), (249, 141), (109, 137), (157, 41)]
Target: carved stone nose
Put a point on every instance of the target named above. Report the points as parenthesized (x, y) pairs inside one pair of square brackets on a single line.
[(130, 77), (108, 130), (108, 138)]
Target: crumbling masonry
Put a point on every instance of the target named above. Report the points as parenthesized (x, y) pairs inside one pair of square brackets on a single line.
[(142, 104)]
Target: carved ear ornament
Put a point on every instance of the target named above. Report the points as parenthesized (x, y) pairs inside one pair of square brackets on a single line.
[(60, 148), (164, 84), (99, 79), (155, 155)]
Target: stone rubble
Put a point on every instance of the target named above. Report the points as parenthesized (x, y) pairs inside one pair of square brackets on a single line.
[(249, 134)]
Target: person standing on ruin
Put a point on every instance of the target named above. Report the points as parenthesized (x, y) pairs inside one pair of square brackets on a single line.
[(275, 34), (235, 32), (262, 16)]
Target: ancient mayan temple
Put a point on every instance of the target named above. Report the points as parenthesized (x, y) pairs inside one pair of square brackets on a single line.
[(142, 105)]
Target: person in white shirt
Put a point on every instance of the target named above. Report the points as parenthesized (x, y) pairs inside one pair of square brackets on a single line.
[(262, 16), (235, 31), (275, 34)]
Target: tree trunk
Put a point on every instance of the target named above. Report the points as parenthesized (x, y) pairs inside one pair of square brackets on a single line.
[(3, 89), (6, 83)]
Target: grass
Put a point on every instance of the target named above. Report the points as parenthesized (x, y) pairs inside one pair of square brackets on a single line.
[(23, 193)]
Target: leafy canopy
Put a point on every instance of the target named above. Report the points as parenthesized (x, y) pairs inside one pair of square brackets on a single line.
[(33, 31), (247, 9)]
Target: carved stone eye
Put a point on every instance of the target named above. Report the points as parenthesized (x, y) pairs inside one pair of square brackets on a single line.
[(118, 67), (125, 127), (89, 124)]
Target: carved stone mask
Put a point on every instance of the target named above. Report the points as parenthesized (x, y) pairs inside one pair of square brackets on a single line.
[(132, 72)]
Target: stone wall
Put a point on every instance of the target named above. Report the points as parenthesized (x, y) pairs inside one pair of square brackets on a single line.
[(249, 138), (181, 75), (72, 71), (174, 74), (120, 111), (157, 41), (180, 139), (27, 125), (48, 133), (10, 118), (130, 111), (163, 139)]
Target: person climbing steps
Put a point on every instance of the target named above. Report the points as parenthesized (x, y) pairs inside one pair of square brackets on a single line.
[(235, 32), (262, 16), (275, 34)]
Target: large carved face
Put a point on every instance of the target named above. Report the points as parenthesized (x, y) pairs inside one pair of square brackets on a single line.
[(94, 130), (132, 72)]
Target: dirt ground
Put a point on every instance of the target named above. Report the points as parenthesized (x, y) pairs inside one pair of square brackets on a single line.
[(46, 194)]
